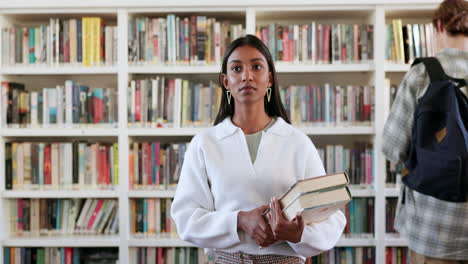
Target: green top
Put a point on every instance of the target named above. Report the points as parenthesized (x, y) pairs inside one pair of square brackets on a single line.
[(253, 141)]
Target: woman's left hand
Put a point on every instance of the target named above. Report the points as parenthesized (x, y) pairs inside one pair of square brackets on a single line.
[(282, 228)]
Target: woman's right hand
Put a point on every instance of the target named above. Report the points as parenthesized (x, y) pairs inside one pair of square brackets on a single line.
[(253, 223)]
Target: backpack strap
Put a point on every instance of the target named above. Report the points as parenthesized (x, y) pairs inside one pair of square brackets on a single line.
[(435, 70)]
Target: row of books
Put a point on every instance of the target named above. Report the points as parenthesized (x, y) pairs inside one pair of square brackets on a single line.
[(359, 213), (85, 41), (162, 101), (406, 42), (56, 217), (64, 255), (62, 106), (152, 165), (156, 103), (190, 40), (155, 165), (52, 166), (390, 212), (362, 255), (166, 102), (329, 105), (181, 255), (199, 39), (397, 255), (356, 161), (151, 217), (318, 43)]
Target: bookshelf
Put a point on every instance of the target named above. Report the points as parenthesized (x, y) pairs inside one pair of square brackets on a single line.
[(60, 194), (62, 70), (118, 76), (64, 241)]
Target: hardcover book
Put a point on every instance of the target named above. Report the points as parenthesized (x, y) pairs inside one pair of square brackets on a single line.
[(316, 198)]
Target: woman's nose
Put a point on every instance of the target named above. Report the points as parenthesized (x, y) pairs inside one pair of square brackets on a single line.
[(247, 76)]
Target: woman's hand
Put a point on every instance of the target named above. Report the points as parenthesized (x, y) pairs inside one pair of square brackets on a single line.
[(283, 229), (252, 223)]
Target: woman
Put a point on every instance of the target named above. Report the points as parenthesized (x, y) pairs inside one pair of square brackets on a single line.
[(232, 170)]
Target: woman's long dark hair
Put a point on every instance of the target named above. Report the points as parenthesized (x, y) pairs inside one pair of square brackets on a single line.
[(274, 107)]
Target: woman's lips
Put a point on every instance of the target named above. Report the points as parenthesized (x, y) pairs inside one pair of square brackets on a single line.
[(247, 89)]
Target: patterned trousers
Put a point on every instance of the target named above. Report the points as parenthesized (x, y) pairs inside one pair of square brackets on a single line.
[(242, 258), (416, 258)]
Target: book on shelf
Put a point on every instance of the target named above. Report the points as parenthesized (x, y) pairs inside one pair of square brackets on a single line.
[(390, 213), (405, 42), (182, 255), (190, 40), (359, 214), (166, 102), (55, 166), (65, 105), (66, 255), (155, 165), (364, 255), (83, 41), (327, 104), (151, 217), (10, 92), (357, 161), (55, 217), (318, 43), (172, 102), (395, 255)]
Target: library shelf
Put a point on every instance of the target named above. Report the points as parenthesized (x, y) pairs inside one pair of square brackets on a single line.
[(60, 132), (63, 241), (56, 70), (61, 194)]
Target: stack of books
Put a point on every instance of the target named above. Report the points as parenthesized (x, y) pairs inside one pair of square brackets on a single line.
[(316, 198)]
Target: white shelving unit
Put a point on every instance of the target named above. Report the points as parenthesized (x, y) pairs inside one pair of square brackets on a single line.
[(55, 70), (392, 241), (64, 241), (151, 194), (158, 242), (356, 242), (154, 69), (60, 194), (60, 132), (376, 12), (396, 67), (354, 130), (392, 192)]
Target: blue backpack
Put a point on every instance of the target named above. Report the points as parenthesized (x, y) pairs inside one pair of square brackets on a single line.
[(438, 154)]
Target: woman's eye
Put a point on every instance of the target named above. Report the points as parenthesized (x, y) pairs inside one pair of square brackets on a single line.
[(258, 67), (236, 68)]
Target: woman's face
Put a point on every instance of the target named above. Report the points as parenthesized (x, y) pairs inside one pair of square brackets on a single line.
[(247, 75)]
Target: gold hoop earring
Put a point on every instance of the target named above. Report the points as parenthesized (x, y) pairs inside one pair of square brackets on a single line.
[(268, 94), (228, 94)]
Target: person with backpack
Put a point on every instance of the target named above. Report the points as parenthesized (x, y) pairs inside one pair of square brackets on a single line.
[(427, 131)]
